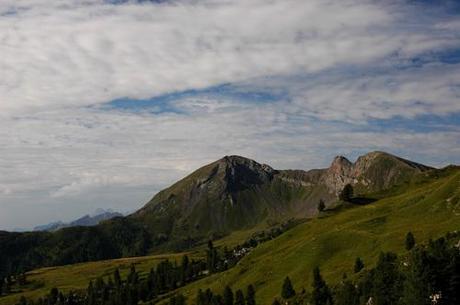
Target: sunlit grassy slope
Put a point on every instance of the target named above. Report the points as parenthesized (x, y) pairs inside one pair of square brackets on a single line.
[(429, 206), (77, 276)]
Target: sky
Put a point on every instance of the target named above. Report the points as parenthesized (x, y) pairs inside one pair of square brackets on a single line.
[(104, 103)]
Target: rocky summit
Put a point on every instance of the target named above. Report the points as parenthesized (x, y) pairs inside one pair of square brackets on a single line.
[(235, 192)]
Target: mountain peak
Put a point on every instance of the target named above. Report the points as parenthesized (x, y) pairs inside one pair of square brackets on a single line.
[(235, 160), (341, 161)]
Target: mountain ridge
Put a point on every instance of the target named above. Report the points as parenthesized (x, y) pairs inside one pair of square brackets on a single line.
[(86, 220), (235, 192), (231, 194)]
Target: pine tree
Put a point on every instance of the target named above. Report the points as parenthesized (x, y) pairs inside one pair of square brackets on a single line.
[(133, 277), (287, 290), (453, 290), (177, 300), (359, 265), (347, 294), (387, 284), (133, 297), (90, 292), (200, 298), (212, 258), (117, 278), (239, 298), (321, 205), (347, 193), (184, 268), (250, 295), (410, 241), (321, 294), (216, 300), (416, 287), (228, 296)]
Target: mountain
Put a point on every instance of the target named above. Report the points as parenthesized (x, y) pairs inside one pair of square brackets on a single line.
[(428, 206), (85, 221), (52, 226), (230, 194), (235, 192)]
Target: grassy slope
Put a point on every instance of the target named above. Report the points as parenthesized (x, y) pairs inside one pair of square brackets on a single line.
[(77, 276), (429, 210)]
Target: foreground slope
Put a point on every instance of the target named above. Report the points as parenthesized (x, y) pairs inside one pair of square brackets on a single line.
[(429, 207)]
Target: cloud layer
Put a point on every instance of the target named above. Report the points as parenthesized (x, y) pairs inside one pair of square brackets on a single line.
[(304, 81)]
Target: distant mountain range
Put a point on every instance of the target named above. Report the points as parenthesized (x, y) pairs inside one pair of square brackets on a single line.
[(85, 221)]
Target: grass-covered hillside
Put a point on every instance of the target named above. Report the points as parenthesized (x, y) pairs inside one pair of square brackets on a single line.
[(429, 207)]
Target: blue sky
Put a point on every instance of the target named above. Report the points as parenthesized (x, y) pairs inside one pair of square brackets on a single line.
[(104, 103)]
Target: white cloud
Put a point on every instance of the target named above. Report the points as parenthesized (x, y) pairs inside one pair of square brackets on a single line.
[(61, 159), (85, 52)]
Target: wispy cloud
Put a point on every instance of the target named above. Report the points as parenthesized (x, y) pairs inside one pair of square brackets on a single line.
[(102, 105)]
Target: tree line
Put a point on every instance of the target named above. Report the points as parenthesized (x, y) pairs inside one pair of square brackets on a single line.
[(166, 277)]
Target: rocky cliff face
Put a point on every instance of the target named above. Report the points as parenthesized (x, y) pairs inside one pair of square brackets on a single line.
[(372, 172), (235, 192)]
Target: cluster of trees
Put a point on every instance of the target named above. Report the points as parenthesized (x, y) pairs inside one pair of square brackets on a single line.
[(7, 283), (321, 294), (132, 290), (166, 277), (208, 297), (427, 274), (114, 290)]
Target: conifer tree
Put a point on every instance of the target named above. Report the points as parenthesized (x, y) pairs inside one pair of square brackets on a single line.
[(228, 296), (117, 278), (347, 193), (416, 287), (212, 258), (250, 295), (410, 241), (321, 294), (346, 294), (387, 285), (321, 205), (184, 268), (359, 265), (239, 298), (22, 301), (287, 290), (200, 298), (133, 277)]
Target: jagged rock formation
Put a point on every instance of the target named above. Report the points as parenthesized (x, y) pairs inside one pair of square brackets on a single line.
[(235, 192)]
